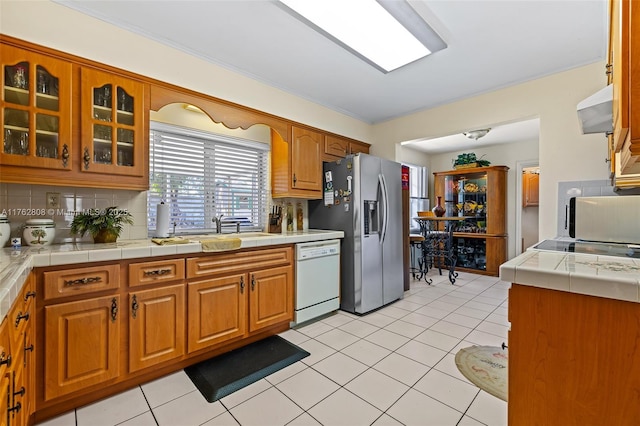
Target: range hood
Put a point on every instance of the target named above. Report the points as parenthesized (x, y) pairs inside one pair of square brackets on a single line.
[(596, 111)]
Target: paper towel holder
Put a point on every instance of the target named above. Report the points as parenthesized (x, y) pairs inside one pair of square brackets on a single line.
[(162, 220)]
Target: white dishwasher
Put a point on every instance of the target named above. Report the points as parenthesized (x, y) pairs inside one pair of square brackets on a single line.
[(317, 279)]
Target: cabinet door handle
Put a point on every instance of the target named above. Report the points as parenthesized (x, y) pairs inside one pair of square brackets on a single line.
[(608, 69), (21, 316), (157, 272), (85, 280), (241, 284), (20, 392), (27, 349), (86, 158), (114, 309), (134, 306), (65, 155), (294, 179), (29, 294), (15, 408), (5, 361), (253, 282)]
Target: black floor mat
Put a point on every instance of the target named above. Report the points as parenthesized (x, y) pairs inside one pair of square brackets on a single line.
[(217, 377)]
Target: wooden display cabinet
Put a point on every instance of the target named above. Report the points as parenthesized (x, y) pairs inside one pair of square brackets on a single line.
[(480, 195), (112, 124), (36, 110)]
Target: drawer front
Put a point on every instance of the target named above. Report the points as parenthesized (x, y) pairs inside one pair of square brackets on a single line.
[(156, 272), (70, 282), (238, 262)]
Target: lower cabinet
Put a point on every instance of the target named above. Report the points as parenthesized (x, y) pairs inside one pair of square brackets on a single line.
[(573, 358), (156, 326), (217, 311), (17, 367), (81, 344), (115, 325), (5, 373), (251, 281), (270, 297)]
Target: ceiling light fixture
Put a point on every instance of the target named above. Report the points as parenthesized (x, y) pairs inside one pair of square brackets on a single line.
[(388, 34), (476, 134)]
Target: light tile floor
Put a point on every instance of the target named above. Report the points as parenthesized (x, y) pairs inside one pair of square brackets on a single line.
[(394, 366)]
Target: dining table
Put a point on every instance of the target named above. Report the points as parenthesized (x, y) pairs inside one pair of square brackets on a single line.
[(437, 249)]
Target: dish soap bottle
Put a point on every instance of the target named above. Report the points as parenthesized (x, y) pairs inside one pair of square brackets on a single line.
[(289, 216), (299, 217)]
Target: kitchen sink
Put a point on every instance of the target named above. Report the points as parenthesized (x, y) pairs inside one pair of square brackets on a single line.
[(241, 235)]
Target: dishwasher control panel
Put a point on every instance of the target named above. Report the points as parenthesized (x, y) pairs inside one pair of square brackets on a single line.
[(317, 250)]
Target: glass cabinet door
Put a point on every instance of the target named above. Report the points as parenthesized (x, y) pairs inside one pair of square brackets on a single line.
[(36, 110), (467, 195), (112, 129)]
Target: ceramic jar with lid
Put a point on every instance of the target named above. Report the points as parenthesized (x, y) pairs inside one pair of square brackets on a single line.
[(5, 230), (39, 232)]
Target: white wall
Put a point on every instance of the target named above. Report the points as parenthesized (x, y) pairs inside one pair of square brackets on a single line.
[(564, 153)]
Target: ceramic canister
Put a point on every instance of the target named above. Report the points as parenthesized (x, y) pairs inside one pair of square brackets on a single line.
[(39, 232), (5, 230)]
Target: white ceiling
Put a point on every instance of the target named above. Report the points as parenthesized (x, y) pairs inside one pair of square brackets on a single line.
[(491, 45)]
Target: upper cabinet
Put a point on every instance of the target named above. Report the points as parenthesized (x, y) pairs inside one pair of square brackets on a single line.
[(69, 122), (336, 147), (296, 166), (624, 73), (113, 135), (530, 189), (36, 110)]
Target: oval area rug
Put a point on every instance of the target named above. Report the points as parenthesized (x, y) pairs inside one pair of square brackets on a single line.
[(485, 367)]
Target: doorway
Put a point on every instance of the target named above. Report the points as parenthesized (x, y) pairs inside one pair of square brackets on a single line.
[(527, 178)]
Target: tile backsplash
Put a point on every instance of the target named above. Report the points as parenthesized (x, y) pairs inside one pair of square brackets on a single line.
[(21, 202)]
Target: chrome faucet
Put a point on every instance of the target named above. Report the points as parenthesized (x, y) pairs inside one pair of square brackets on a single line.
[(218, 222)]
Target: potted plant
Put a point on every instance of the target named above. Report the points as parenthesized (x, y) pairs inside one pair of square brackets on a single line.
[(104, 226), (468, 160)]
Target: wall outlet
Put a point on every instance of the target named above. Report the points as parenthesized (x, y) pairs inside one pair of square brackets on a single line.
[(53, 200)]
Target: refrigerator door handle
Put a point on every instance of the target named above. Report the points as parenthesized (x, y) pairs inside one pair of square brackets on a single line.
[(385, 204)]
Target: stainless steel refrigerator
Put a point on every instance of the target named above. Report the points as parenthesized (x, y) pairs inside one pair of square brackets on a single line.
[(363, 198)]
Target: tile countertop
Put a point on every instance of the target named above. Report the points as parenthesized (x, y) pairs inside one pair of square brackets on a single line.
[(600, 276), (16, 264)]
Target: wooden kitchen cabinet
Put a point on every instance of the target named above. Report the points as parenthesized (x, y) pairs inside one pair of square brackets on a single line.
[(217, 311), (296, 167), (270, 297), (156, 326), (36, 110), (5, 372), (58, 130), (17, 354), (81, 344), (624, 73), (530, 189), (480, 195), (336, 147), (572, 359), (260, 282), (113, 131), (175, 311)]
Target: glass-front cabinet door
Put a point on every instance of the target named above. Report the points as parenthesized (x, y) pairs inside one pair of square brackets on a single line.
[(112, 124), (467, 194), (36, 110)]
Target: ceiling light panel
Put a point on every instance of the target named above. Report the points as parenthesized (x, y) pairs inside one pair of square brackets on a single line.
[(365, 27)]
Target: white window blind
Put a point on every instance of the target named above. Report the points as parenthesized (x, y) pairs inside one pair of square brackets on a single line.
[(203, 175)]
